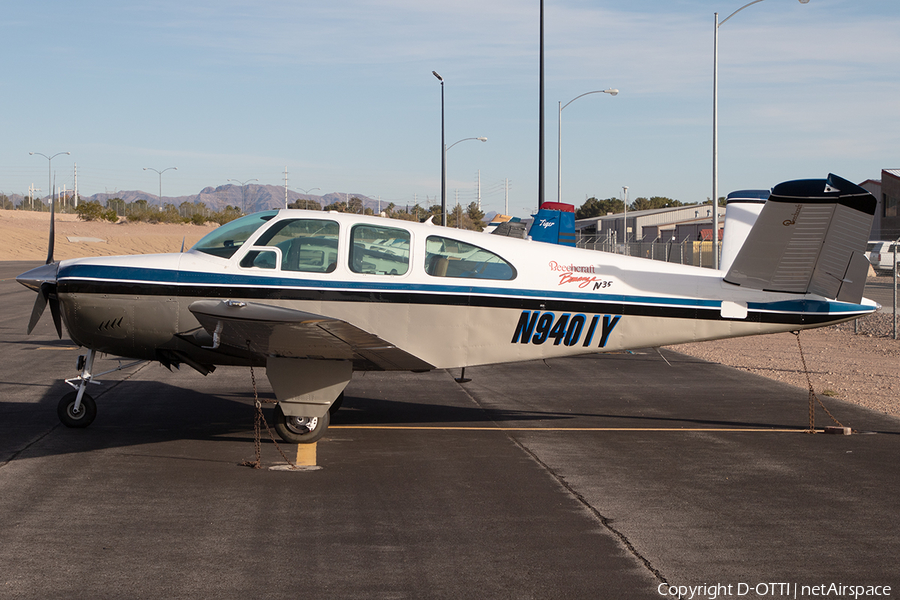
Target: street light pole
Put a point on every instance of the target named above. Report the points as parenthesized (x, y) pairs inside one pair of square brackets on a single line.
[(625, 232), (52, 203), (160, 179), (307, 192), (715, 149), (243, 183), (443, 155), (541, 182), (444, 176), (611, 92)]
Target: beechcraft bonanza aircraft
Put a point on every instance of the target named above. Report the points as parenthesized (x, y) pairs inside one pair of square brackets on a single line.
[(313, 296)]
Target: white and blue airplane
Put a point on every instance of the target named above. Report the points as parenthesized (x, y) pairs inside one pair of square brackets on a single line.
[(314, 296)]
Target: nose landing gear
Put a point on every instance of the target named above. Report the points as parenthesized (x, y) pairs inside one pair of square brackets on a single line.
[(78, 409), (76, 412)]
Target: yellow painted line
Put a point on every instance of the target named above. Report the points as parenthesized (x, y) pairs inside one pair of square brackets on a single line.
[(57, 348), (686, 429), (306, 455)]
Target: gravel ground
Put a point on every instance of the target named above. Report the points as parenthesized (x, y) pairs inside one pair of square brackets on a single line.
[(863, 367)]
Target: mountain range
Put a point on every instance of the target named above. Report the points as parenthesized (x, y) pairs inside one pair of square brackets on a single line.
[(255, 197)]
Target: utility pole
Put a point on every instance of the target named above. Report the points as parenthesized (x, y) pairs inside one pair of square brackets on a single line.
[(76, 185), (506, 198), (31, 191), (479, 189), (285, 187)]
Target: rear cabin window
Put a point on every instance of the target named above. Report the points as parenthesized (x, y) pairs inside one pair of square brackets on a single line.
[(446, 257), (379, 250), (307, 245), (227, 239)]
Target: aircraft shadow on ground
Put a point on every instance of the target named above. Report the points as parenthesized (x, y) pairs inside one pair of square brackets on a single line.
[(132, 413), (146, 412), (646, 391)]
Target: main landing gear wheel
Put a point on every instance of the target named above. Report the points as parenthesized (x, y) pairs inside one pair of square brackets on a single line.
[(300, 430), (85, 414)]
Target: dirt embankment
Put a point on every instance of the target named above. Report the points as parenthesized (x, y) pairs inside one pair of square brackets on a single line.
[(24, 236)]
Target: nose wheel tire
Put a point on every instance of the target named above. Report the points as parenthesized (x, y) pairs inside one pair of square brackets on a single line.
[(72, 418), (300, 430)]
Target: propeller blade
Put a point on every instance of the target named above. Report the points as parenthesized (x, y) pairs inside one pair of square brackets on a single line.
[(39, 304), (43, 281), (52, 230), (54, 310)]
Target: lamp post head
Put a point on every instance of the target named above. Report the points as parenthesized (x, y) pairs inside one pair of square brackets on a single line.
[(481, 139), (441, 79), (804, 1), (614, 91), (48, 157)]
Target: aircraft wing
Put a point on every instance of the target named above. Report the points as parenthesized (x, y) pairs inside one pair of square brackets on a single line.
[(809, 238), (284, 332)]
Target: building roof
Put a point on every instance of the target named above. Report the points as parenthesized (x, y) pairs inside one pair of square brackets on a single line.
[(658, 217), (635, 214), (892, 172)]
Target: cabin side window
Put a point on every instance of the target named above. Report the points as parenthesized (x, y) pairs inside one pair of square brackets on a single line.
[(446, 257), (307, 245), (379, 250)]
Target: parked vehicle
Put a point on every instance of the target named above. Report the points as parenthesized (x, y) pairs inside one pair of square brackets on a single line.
[(870, 245), (881, 255)]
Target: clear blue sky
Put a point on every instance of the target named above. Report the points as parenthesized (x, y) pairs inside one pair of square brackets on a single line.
[(341, 93)]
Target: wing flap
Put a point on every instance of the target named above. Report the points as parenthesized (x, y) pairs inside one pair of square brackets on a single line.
[(808, 239), (284, 332)]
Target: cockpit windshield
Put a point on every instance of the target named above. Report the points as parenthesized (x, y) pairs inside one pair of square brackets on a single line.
[(227, 239)]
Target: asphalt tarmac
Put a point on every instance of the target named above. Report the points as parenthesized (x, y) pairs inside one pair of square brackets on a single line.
[(607, 476)]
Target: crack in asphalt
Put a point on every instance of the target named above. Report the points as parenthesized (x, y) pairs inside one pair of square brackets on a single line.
[(604, 521), (40, 437)]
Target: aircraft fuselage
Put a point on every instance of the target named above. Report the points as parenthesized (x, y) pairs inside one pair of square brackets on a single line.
[(419, 287)]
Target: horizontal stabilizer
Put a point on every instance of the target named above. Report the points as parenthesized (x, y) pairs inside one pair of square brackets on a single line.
[(809, 238)]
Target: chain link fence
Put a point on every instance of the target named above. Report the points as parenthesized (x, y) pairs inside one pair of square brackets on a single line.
[(687, 252)]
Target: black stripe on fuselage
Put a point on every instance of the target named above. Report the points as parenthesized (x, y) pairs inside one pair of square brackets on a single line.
[(436, 299)]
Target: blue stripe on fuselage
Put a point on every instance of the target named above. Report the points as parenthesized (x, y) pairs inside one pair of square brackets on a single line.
[(169, 277)]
